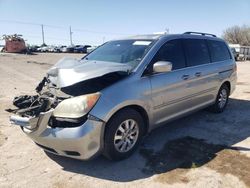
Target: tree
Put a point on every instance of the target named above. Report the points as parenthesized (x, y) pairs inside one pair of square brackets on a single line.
[(237, 35)]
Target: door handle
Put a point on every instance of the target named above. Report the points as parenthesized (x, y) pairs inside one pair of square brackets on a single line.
[(198, 74), (185, 77)]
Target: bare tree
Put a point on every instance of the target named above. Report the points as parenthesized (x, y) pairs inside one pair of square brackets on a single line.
[(237, 35)]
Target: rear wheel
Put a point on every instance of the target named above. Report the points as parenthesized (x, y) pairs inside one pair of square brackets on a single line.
[(221, 100), (123, 134)]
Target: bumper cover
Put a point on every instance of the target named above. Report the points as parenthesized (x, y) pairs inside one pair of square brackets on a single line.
[(83, 142)]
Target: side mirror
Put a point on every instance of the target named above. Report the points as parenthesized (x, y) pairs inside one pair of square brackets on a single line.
[(162, 66)]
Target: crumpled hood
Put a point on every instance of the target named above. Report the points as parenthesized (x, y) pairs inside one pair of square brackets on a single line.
[(69, 71)]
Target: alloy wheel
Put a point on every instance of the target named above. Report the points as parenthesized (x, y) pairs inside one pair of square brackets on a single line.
[(126, 135), (223, 96)]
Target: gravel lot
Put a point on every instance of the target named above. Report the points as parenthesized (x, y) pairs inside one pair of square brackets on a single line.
[(201, 150)]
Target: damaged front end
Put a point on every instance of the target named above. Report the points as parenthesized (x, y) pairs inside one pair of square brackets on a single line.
[(30, 107), (68, 92)]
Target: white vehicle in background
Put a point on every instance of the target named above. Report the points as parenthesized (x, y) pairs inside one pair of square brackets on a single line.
[(43, 49), (1, 47), (63, 48), (241, 53), (90, 49), (244, 53), (235, 49), (51, 48)]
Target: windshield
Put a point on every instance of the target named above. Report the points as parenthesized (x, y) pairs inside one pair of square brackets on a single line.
[(121, 51)]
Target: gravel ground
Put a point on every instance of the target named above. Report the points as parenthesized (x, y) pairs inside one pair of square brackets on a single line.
[(200, 150)]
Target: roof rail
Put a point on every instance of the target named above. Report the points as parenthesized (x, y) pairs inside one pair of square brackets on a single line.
[(199, 33)]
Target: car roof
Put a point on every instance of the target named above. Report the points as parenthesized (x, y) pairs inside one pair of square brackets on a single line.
[(190, 35)]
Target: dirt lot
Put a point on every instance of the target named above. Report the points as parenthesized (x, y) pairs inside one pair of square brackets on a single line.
[(201, 150)]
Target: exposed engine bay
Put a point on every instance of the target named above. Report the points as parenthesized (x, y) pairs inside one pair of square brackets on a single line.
[(58, 86)]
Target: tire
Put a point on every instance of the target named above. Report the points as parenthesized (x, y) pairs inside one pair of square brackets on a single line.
[(223, 95), (112, 147)]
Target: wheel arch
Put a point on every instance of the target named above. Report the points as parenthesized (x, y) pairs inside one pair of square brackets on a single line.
[(140, 110), (228, 84)]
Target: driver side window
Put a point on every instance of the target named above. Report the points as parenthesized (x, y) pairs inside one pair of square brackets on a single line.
[(171, 51)]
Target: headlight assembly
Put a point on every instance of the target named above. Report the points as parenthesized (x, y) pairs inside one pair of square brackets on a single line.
[(76, 107)]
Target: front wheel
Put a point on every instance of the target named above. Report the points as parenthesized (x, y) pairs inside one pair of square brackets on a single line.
[(123, 134), (221, 100)]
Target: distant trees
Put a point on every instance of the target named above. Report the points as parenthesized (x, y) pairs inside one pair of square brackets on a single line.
[(237, 35)]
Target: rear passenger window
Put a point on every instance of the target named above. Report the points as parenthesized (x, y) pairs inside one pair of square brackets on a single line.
[(218, 51), (172, 51), (196, 52)]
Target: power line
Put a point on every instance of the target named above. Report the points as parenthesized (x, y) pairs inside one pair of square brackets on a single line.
[(19, 22), (100, 32), (58, 38), (44, 27), (62, 27)]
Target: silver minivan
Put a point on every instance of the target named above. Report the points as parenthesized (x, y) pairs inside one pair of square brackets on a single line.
[(107, 101)]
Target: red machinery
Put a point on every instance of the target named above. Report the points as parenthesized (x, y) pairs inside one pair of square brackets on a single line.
[(14, 43)]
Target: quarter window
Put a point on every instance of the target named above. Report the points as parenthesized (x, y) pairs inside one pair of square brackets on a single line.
[(218, 50), (196, 52), (171, 51)]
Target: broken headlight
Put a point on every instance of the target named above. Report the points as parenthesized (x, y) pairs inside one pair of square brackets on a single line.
[(76, 107)]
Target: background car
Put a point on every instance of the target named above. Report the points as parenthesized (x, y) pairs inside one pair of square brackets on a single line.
[(43, 49), (70, 49), (81, 48), (235, 54), (90, 49), (33, 48)]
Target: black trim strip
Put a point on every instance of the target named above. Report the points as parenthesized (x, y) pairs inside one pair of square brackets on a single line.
[(184, 98), (46, 148), (225, 71)]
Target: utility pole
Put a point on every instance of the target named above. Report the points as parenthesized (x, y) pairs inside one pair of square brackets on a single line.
[(167, 30), (42, 34), (70, 35)]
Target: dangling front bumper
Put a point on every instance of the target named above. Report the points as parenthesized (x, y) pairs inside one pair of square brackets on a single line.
[(82, 142)]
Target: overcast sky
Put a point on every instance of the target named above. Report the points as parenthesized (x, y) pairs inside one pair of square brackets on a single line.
[(96, 21)]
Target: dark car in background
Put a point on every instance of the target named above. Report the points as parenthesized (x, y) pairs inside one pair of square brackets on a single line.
[(81, 48), (70, 49), (33, 48)]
